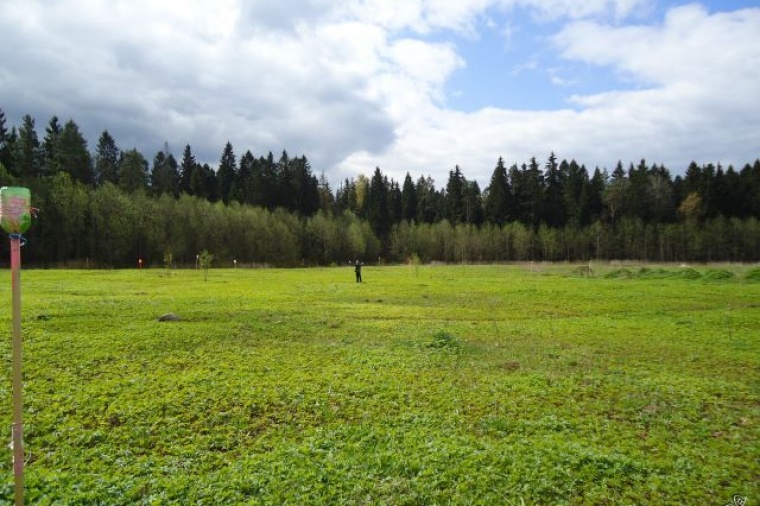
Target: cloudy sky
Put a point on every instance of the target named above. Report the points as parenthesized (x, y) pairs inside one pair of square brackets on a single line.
[(413, 86)]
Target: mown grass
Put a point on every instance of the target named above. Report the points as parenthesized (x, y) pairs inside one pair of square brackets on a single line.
[(448, 385)]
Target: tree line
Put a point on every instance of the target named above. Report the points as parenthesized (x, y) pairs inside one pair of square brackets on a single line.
[(111, 207)]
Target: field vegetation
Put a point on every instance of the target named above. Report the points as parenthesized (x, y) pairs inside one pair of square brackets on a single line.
[(521, 384)]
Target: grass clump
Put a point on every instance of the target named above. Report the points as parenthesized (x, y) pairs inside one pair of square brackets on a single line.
[(443, 340), (753, 275), (689, 273), (718, 275), (619, 274), (658, 273)]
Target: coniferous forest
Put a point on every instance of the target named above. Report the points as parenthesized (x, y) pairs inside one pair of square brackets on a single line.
[(108, 207)]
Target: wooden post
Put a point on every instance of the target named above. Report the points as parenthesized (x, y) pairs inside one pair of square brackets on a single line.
[(15, 218), (18, 401)]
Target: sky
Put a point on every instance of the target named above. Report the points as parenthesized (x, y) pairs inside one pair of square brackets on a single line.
[(417, 86)]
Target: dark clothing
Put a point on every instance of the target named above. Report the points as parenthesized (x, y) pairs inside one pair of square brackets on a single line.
[(358, 271)]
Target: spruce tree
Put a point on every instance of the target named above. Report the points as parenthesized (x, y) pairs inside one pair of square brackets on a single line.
[(210, 183), (472, 203), (6, 146), (72, 155), (498, 196), (133, 171), (615, 193), (455, 196), (3, 130), (533, 181), (27, 155), (595, 199), (660, 195), (576, 194), (226, 174), (244, 179), (165, 173), (408, 200), (186, 170), (395, 204), (326, 199), (107, 160), (196, 184), (377, 206), (50, 147), (554, 211)]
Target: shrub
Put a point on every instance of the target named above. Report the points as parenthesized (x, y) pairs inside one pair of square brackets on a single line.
[(443, 340), (690, 273), (618, 273), (718, 274)]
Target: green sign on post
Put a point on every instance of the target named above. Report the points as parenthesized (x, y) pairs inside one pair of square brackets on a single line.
[(16, 218), (15, 209)]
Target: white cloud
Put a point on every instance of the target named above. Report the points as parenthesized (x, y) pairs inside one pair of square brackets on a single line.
[(697, 74), (354, 85), (425, 64), (690, 46), (575, 9), (460, 16), (155, 71)]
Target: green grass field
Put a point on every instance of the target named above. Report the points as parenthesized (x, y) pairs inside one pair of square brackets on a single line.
[(492, 385)]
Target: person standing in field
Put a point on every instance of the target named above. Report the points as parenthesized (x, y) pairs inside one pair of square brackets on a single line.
[(358, 271)]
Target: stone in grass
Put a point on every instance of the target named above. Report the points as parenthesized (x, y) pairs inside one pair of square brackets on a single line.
[(169, 317)]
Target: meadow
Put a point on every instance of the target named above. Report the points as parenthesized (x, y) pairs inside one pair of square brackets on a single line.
[(491, 385)]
